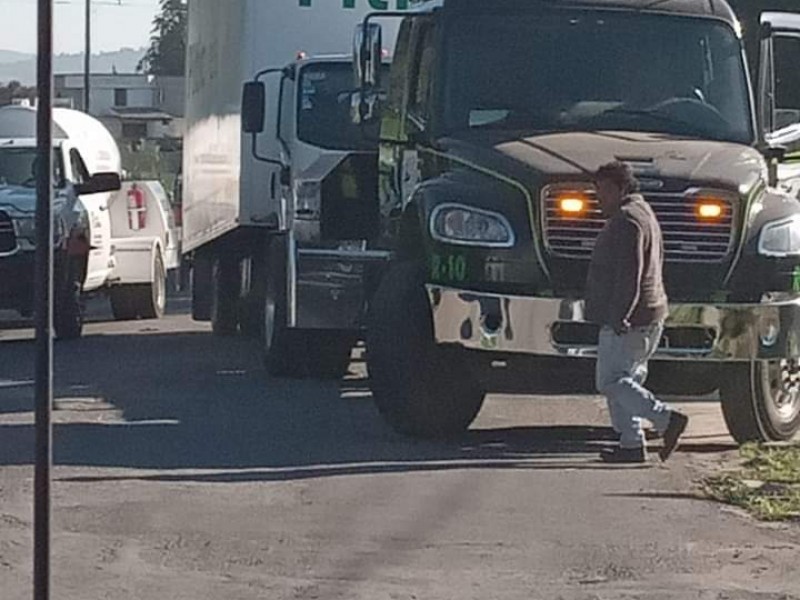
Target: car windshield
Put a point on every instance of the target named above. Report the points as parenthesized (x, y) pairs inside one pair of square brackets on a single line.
[(17, 166), (324, 109), (677, 76)]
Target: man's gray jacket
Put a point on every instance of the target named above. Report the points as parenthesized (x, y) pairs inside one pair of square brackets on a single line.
[(625, 284)]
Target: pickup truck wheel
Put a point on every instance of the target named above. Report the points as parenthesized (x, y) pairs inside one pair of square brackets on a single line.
[(761, 400), (67, 309), (225, 286), (421, 389), (122, 304), (148, 301), (152, 301)]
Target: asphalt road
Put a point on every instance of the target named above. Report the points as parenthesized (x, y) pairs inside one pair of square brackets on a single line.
[(184, 472)]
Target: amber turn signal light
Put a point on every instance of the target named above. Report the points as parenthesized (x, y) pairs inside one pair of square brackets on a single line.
[(709, 209), (572, 205)]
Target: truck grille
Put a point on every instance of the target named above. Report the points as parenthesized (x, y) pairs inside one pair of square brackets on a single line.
[(686, 237), (8, 239)]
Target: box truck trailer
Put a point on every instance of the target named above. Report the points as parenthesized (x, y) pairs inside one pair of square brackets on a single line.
[(280, 187)]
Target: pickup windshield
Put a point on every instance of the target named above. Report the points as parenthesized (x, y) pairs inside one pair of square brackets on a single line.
[(323, 109), (575, 71), (16, 166)]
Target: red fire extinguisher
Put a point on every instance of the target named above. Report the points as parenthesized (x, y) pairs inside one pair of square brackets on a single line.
[(137, 209)]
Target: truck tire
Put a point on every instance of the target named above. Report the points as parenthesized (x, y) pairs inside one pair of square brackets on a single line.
[(251, 322), (761, 400), (421, 389), (67, 309), (152, 301), (146, 301), (297, 353), (200, 283), (225, 285), (122, 304)]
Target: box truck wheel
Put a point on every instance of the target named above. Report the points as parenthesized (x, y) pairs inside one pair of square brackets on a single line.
[(67, 309), (146, 301), (200, 282), (420, 388), (225, 286), (297, 352), (761, 400)]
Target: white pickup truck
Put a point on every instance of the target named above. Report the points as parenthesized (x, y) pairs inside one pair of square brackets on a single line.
[(108, 236)]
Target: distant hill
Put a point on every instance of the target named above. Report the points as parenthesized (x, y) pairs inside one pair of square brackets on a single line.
[(22, 67), (10, 56)]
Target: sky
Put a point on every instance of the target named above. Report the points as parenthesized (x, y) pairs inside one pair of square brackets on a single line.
[(115, 24)]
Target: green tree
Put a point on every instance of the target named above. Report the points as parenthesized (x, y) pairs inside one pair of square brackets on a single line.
[(167, 52)]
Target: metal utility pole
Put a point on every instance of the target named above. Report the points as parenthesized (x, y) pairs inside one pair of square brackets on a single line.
[(87, 58), (43, 303)]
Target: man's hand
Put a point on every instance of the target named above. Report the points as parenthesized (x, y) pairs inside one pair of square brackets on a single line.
[(622, 327)]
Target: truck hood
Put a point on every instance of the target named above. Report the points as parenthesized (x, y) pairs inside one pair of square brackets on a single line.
[(20, 201), (659, 160)]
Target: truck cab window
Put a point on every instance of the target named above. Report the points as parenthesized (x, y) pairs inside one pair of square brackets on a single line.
[(420, 93), (80, 174), (682, 77), (787, 81), (324, 96)]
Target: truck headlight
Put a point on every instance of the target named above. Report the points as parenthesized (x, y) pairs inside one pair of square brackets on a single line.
[(25, 227), (780, 238), (465, 225)]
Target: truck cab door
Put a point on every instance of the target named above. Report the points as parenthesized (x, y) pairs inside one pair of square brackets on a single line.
[(779, 94)]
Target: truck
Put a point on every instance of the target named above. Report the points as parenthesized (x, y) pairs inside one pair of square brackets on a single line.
[(489, 213), (89, 254), (279, 189)]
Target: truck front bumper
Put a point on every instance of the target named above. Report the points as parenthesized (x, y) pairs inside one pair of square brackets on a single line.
[(555, 327)]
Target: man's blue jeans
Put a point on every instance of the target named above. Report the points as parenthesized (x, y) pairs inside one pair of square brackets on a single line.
[(620, 377)]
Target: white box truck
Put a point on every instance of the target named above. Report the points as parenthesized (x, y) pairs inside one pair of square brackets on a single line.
[(280, 187), (106, 238)]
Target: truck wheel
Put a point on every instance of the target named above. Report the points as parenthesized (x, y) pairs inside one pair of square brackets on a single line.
[(152, 297), (147, 301), (122, 304), (200, 282), (421, 389), (67, 309), (225, 286), (251, 322), (297, 352), (761, 400)]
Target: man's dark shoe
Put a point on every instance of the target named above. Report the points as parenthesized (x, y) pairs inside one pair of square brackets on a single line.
[(677, 425), (624, 455)]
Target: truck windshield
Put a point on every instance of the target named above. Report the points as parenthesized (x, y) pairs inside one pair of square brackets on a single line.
[(17, 166), (575, 71), (324, 109)]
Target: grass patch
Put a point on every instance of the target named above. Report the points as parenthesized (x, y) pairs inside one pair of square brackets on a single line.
[(767, 484)]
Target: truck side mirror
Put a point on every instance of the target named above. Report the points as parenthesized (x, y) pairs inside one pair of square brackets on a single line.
[(368, 55), (254, 97), (99, 183)]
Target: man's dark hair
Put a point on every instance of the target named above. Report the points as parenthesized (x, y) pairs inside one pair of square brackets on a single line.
[(621, 174)]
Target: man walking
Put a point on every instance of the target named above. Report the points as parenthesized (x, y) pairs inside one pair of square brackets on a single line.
[(626, 297)]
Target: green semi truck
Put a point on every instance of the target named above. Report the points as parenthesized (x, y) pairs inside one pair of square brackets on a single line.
[(496, 117)]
